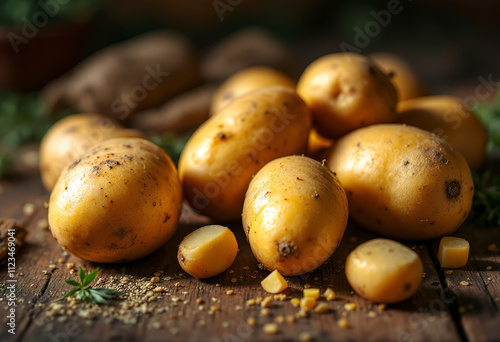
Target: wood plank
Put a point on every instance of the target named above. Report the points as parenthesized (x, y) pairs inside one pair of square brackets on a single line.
[(415, 320), (478, 303)]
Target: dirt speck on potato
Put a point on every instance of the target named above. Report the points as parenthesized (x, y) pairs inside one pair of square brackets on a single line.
[(452, 189), (286, 248), (435, 157), (75, 163)]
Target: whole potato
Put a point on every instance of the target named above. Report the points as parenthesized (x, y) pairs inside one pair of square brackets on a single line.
[(446, 117), (71, 137), (221, 157), (246, 81), (384, 271), (118, 202), (295, 215), (403, 182), (402, 76), (346, 91)]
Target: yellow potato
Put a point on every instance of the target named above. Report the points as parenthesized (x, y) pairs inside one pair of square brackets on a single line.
[(403, 182), (384, 271), (118, 202), (317, 144), (346, 91), (446, 117), (208, 251), (295, 214), (402, 76), (245, 81), (221, 157), (71, 137)]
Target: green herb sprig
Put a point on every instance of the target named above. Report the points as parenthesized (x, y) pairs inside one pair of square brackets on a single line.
[(486, 203), (88, 294), (489, 114)]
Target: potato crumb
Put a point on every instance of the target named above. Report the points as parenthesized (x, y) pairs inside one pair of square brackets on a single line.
[(234, 280), (42, 224), (449, 272), (155, 280), (251, 302), (267, 302), (229, 292), (265, 312), (214, 308), (225, 324), (372, 314), (301, 314), (295, 302), (464, 283), (238, 308), (350, 306), (270, 328), (306, 286), (321, 308), (329, 294), (489, 268), (313, 293), (218, 285), (305, 337), (70, 265), (343, 323), (251, 321), (258, 300), (29, 209), (246, 268), (61, 260), (199, 301), (281, 297), (492, 248), (280, 319), (307, 303), (159, 289), (52, 266), (382, 306), (290, 319)]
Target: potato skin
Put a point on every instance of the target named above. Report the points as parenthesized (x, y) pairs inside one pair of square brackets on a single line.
[(403, 77), (295, 215), (384, 271), (446, 117), (403, 182), (117, 203), (221, 157), (346, 91), (71, 137), (245, 81)]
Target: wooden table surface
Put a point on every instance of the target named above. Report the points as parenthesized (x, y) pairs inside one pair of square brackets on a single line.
[(442, 310)]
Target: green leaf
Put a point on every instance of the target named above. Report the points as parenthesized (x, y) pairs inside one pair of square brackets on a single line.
[(90, 277), (81, 274), (74, 283), (69, 294)]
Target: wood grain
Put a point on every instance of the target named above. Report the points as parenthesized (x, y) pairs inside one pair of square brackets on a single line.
[(434, 313)]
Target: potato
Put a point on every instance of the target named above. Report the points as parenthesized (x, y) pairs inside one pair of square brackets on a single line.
[(403, 182), (316, 144), (127, 77), (346, 91), (182, 114), (384, 271), (71, 137), (446, 117), (403, 77), (246, 48), (221, 157), (294, 215), (118, 202), (208, 251), (246, 81)]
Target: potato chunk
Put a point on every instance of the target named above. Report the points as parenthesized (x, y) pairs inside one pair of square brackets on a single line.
[(384, 271), (274, 283), (208, 251), (453, 252)]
